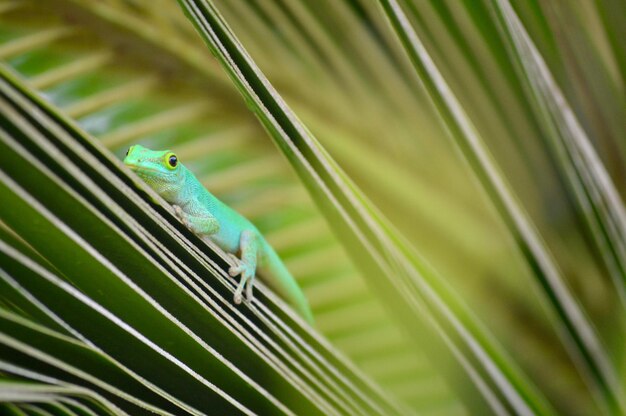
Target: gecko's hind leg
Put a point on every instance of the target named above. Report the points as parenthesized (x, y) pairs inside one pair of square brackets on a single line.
[(247, 266)]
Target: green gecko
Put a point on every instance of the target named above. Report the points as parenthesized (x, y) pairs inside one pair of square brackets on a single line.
[(210, 218)]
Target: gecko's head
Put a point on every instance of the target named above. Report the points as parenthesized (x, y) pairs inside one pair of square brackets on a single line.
[(160, 169)]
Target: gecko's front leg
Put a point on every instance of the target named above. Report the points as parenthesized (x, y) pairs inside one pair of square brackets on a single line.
[(247, 267), (201, 225)]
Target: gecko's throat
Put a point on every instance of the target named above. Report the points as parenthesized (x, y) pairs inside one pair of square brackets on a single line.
[(162, 183)]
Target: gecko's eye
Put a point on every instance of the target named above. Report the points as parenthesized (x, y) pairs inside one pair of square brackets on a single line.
[(172, 161)]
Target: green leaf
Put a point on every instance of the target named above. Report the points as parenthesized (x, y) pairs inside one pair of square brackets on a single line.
[(410, 286), (89, 78), (578, 333), (275, 353)]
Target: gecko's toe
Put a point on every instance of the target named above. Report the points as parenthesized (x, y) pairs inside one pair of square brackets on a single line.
[(235, 270), (237, 298), (244, 284), (249, 294), (239, 291), (182, 216)]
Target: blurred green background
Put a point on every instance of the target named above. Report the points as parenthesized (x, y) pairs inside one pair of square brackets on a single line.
[(137, 72)]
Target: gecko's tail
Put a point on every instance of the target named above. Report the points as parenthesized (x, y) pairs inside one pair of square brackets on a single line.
[(283, 283)]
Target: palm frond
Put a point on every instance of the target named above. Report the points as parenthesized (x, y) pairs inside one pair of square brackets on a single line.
[(578, 332), (69, 220), (540, 87)]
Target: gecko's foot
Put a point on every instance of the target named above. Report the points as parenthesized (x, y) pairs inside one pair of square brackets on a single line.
[(234, 259), (182, 215), (246, 282)]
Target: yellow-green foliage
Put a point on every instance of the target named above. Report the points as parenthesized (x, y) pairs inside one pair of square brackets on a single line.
[(455, 217)]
